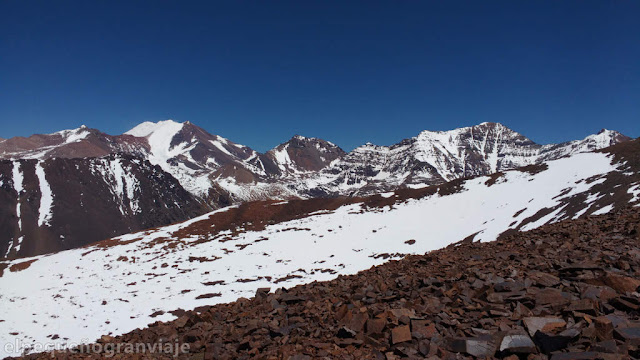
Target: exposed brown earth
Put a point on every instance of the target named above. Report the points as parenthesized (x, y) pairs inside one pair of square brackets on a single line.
[(563, 291), (95, 144)]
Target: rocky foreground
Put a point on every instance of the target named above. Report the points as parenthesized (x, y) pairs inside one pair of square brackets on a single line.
[(563, 291)]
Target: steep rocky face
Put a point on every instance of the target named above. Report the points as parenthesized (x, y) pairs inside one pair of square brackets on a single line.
[(301, 154), (437, 157), (57, 204), (197, 158)]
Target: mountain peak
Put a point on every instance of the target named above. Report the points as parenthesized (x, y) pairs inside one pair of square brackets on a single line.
[(482, 130), (147, 128), (304, 154), (607, 132), (74, 135), (491, 123), (300, 140), (602, 139)]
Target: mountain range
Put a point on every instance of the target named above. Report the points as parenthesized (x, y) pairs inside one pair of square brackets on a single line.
[(75, 187), (120, 284)]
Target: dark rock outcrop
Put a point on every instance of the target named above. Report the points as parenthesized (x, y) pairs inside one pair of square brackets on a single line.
[(68, 203)]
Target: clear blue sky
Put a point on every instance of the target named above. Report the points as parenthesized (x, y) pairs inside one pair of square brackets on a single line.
[(258, 72)]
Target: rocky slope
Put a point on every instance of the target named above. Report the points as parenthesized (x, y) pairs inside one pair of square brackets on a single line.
[(58, 204), (564, 291), (218, 257), (302, 155)]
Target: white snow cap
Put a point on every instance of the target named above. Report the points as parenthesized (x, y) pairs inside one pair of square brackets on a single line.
[(147, 128), (73, 135)]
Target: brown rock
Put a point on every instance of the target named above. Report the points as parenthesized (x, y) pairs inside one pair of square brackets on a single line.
[(549, 324), (518, 343), (375, 326), (552, 297), (106, 339), (627, 333), (607, 346), (625, 304), (602, 293), (398, 313), (182, 321), (262, 292), (620, 283), (483, 346), (357, 321), (400, 334), (423, 328), (586, 306), (544, 279)]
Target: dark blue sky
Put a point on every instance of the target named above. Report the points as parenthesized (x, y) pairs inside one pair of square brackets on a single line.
[(350, 72)]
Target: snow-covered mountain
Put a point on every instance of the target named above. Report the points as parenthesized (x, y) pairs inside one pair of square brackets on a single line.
[(57, 204), (310, 167), (222, 172), (117, 285), (437, 157), (216, 172)]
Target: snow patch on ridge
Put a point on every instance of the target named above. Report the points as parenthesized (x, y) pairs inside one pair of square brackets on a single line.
[(125, 186), (122, 183), (160, 142), (220, 147), (74, 135), (18, 186), (603, 210), (282, 158), (46, 198), (635, 192)]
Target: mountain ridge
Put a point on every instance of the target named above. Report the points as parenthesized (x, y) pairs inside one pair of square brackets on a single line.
[(217, 172)]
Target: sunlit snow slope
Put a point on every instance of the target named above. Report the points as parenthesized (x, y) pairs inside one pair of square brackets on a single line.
[(115, 286)]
